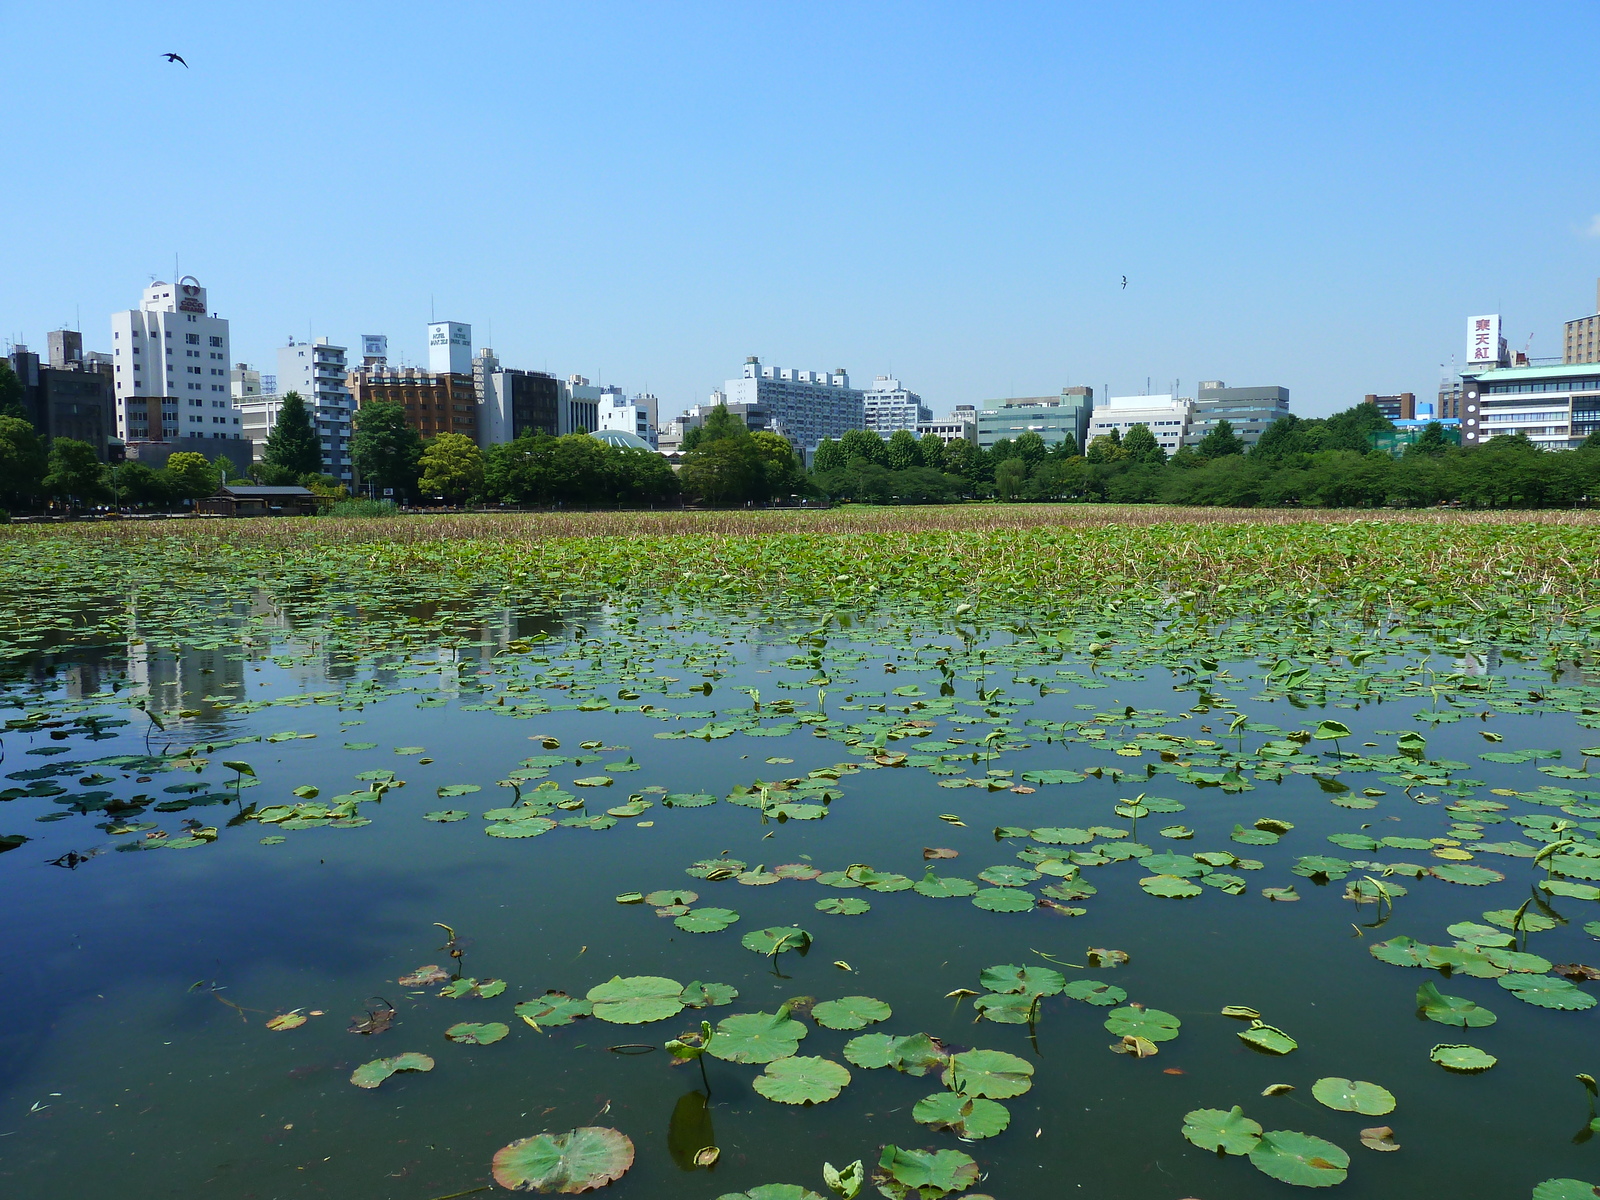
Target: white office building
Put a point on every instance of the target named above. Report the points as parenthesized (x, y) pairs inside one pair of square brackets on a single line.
[(887, 407), (1167, 417), (636, 416), (318, 371), (803, 406), (579, 410), (961, 425), (170, 361)]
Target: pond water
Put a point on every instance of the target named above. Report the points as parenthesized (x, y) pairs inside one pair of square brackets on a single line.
[(618, 747)]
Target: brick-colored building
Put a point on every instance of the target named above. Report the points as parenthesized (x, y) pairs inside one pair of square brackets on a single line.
[(434, 403)]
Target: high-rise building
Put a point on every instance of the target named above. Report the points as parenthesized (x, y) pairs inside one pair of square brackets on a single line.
[(170, 369), (433, 403), (374, 350), (71, 394), (450, 348), (1556, 406), (517, 404), (1248, 410), (318, 371), (1167, 417), (1400, 407), (960, 425), (1582, 342), (1449, 405), (887, 407), (802, 406), (1051, 417), (580, 404)]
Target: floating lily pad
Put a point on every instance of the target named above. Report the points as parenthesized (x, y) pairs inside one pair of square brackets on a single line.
[(1565, 1189), (1149, 1023), (1004, 900), (1171, 887), (924, 1173), (1032, 981), (1466, 873), (802, 1080), (708, 995), (938, 888), (1092, 991), (370, 1075), (990, 1074), (1461, 1057), (1268, 1038), (1547, 991), (776, 939), (706, 920), (757, 1037), (446, 815), (850, 1012), (1450, 1010), (1300, 1159), (578, 1161), (843, 906), (773, 1191), (553, 1009), (636, 1000), (1353, 1095), (968, 1117), (477, 1034), (1008, 875), (1007, 1009), (1228, 1132)]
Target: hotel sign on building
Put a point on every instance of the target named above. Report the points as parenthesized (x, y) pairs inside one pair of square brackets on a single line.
[(1483, 340)]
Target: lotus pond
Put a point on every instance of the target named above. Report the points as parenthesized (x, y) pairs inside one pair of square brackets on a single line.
[(407, 860)]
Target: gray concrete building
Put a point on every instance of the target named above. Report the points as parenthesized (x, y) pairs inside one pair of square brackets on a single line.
[(1051, 417), (1249, 410), (71, 394)]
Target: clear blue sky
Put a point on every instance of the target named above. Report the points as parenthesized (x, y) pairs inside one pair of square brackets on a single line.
[(1311, 195)]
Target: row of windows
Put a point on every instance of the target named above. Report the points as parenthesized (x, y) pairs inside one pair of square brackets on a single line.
[(1501, 418), (1564, 385)]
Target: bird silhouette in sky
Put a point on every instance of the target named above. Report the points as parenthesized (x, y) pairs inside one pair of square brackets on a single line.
[(175, 58), (1124, 278)]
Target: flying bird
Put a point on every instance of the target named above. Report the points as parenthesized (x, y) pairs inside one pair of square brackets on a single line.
[(175, 58), (1124, 278)]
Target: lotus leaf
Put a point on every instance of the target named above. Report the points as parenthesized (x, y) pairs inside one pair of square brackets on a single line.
[(850, 1012), (524, 827), (1005, 899), (1380, 1137), (637, 1000), (1321, 866), (1479, 935), (1357, 1096), (870, 1050), (687, 800), (776, 939), (1300, 1159), (1182, 865), (475, 1034), (1008, 875), (370, 1075), (1524, 920), (1040, 981), (1547, 991), (1268, 1038), (669, 896), (773, 1191), (1284, 894), (1150, 1023), (1465, 873), (1170, 886), (424, 976), (991, 1074), (968, 1117), (1062, 837), (1565, 1189), (1450, 1010), (577, 1161), (708, 995), (1516, 960), (843, 906), (457, 789), (446, 815), (706, 920), (1228, 1132), (1455, 1057), (1008, 1009), (757, 1037), (1253, 837), (802, 1080), (929, 1174), (553, 1009), (287, 1021), (1092, 991), (938, 888)]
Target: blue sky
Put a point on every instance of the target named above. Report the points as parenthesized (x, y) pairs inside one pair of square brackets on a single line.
[(1316, 196)]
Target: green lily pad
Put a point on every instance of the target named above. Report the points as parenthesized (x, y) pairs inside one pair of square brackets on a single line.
[(1466, 873), (1171, 887), (525, 827), (929, 1174), (1353, 1095), (1007, 1009), (1149, 1023), (1451, 1010), (914, 1055), (1300, 1159), (576, 1161), (850, 1012), (1527, 921), (776, 939), (757, 1037), (446, 815), (477, 1034), (990, 1074), (843, 906), (1004, 900), (1565, 1189), (708, 995), (706, 920), (1032, 981), (1269, 1038), (457, 789), (1182, 865), (553, 1009), (687, 800), (636, 1000), (1254, 837), (968, 1117), (1008, 875), (1456, 1057), (802, 1080), (1479, 935), (1548, 991), (1228, 1132), (370, 1075), (773, 1191), (664, 897), (938, 888), (1321, 866), (1092, 991)]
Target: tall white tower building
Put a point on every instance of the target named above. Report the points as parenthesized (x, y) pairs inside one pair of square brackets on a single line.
[(172, 367), (450, 348), (319, 372)]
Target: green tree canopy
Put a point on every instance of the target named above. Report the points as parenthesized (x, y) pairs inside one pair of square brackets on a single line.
[(23, 462), (73, 472), (864, 443), (1431, 441), (1220, 440), (1066, 448), (720, 424), (1030, 448), (781, 471), (902, 452), (139, 485), (10, 392), (293, 444), (452, 467), (828, 456), (385, 450), (1141, 446), (930, 449), (190, 476), (724, 471), (1010, 476)]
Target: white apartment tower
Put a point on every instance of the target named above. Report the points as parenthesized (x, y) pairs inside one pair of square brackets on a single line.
[(318, 371), (890, 407), (803, 406), (171, 367)]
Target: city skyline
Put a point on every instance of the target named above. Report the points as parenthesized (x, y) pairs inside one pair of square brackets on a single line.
[(1241, 165)]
